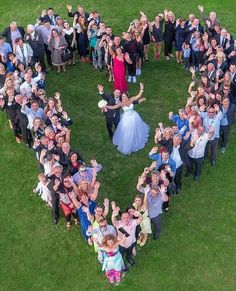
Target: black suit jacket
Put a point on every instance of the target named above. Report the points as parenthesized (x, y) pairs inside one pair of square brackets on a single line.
[(72, 14), (183, 149), (37, 44), (111, 113), (218, 39), (230, 113), (7, 34), (47, 18)]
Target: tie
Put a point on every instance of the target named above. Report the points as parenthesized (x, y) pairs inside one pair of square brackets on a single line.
[(24, 59)]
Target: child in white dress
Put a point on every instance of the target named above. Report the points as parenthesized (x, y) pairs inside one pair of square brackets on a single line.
[(42, 189)]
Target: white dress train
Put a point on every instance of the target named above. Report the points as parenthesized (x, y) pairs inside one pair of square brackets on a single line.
[(131, 133)]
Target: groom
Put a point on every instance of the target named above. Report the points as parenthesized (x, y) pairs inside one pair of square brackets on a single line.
[(112, 115)]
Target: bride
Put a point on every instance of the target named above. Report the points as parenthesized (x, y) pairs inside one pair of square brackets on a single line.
[(131, 133)]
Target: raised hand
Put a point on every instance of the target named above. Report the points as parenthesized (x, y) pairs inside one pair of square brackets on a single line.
[(162, 189), (200, 7), (97, 185), (153, 165), (113, 205), (154, 150), (106, 202), (69, 7), (94, 163)]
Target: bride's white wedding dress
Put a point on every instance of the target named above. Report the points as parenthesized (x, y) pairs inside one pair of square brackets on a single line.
[(132, 133)]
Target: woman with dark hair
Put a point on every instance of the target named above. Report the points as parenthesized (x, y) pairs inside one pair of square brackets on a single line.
[(57, 45), (119, 71), (75, 161), (70, 36)]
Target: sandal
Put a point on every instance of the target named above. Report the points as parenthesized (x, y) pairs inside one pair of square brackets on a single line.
[(76, 221)]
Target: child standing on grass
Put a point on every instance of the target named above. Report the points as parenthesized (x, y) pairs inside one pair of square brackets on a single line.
[(42, 189), (186, 54), (113, 264)]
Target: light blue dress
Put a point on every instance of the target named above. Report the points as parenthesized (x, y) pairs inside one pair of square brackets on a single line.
[(132, 133), (113, 261)]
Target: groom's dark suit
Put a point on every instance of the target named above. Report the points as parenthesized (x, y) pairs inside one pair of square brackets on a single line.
[(112, 115)]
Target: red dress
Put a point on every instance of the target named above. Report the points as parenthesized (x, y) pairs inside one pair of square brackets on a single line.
[(119, 74)]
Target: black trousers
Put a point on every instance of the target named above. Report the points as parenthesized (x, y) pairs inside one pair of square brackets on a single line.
[(157, 224), (168, 46), (197, 163), (110, 122), (224, 132), (132, 67), (196, 58), (127, 252), (68, 217), (186, 62), (48, 55), (178, 177), (55, 205), (26, 133), (212, 146)]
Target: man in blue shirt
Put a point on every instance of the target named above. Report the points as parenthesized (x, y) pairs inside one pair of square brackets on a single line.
[(5, 47), (181, 121), (211, 120), (163, 158)]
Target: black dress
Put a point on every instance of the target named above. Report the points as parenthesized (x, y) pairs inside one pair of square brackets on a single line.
[(169, 36), (146, 36), (69, 35)]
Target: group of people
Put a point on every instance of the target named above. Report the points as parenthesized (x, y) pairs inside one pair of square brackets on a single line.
[(66, 183)]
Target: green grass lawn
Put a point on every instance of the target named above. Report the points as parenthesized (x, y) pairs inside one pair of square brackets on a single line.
[(197, 248)]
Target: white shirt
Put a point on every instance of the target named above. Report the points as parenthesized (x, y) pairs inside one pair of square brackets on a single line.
[(176, 156), (31, 115), (199, 148), (26, 88)]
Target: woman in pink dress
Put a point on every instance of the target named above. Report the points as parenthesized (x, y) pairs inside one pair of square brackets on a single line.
[(119, 69)]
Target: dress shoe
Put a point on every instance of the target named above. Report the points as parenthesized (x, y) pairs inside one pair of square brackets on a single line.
[(131, 261), (222, 150), (178, 191), (155, 237), (55, 221), (213, 163)]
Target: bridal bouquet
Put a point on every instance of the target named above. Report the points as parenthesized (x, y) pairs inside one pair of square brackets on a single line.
[(102, 105)]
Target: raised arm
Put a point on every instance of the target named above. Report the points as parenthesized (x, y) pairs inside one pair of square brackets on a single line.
[(114, 106), (94, 195), (74, 200), (139, 94), (106, 207)]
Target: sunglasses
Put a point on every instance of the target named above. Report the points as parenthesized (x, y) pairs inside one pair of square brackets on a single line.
[(211, 111)]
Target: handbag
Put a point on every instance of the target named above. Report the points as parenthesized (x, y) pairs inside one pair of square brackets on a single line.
[(66, 209), (66, 55)]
